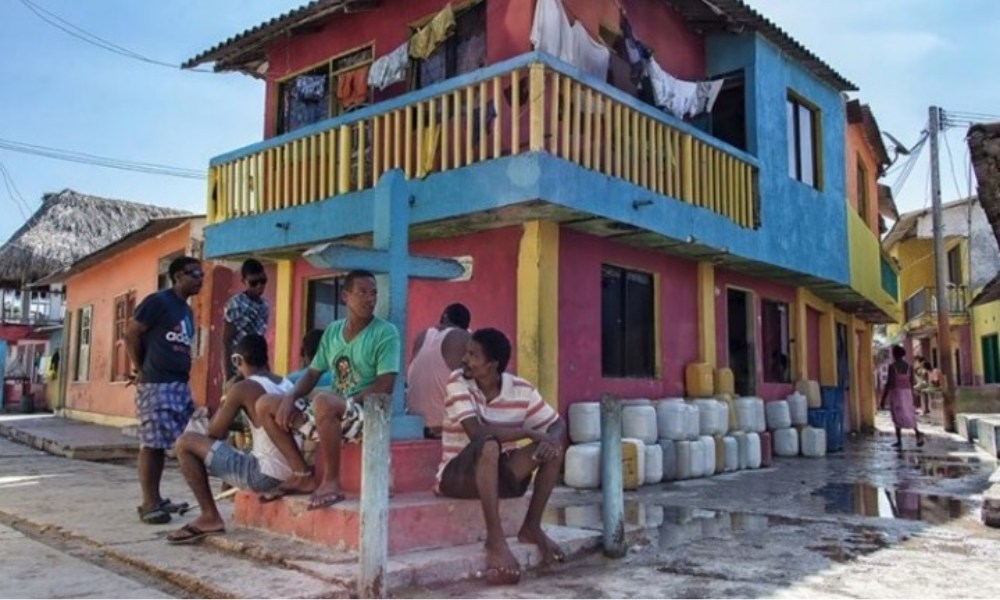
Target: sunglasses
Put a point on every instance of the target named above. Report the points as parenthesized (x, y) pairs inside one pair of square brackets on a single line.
[(256, 282), (195, 273), (236, 359)]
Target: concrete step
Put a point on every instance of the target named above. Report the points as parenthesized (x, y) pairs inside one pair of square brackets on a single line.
[(413, 466), (417, 520)]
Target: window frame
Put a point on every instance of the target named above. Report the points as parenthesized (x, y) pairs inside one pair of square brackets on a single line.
[(81, 358), (622, 340), (955, 275), (119, 354), (795, 165), (862, 184), (449, 46), (330, 68), (308, 312)]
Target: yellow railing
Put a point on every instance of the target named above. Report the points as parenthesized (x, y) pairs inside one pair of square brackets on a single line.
[(529, 107)]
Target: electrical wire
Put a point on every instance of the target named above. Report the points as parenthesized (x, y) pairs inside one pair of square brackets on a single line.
[(79, 33), (100, 161), (951, 164), (8, 182)]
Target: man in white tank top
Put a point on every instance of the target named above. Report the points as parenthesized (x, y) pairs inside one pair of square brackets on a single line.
[(436, 353), (261, 469)]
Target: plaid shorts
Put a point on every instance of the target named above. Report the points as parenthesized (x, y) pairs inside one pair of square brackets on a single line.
[(164, 409)]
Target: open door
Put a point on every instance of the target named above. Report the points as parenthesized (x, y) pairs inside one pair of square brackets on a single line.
[(741, 337)]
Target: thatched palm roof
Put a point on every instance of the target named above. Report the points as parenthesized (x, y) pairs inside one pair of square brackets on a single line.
[(68, 226), (984, 147)]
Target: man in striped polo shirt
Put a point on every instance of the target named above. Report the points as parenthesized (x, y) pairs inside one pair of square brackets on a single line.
[(487, 412)]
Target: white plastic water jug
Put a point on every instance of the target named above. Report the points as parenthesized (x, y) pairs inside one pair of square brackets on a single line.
[(671, 419), (708, 415), (692, 422), (732, 457), (639, 422), (753, 451), (583, 466), (811, 390), (683, 449), (584, 422), (708, 444), (723, 418), (813, 442), (786, 442), (760, 422), (798, 409), (778, 415), (654, 464), (746, 414), (698, 459), (669, 459), (741, 445)]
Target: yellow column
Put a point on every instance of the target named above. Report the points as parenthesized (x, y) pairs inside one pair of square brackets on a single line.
[(827, 349), (866, 382), (538, 308), (706, 312), (282, 316)]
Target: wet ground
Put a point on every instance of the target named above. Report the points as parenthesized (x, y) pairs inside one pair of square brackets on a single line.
[(869, 522)]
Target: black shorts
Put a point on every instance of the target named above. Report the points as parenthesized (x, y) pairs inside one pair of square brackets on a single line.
[(459, 477)]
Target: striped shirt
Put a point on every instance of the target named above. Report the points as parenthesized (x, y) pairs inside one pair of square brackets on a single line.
[(517, 405)]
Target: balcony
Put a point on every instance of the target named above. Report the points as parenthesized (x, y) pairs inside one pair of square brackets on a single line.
[(872, 276), (532, 103), (923, 303)]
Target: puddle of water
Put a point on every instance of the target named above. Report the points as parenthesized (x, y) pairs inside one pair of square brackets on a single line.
[(885, 503), (676, 525), (946, 467)]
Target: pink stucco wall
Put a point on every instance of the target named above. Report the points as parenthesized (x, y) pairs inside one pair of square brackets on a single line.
[(580, 259), (490, 295), (762, 290)]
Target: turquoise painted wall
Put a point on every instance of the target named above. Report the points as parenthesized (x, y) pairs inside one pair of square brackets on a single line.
[(802, 228)]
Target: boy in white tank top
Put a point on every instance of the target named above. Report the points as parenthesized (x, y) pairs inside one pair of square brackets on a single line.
[(437, 352), (260, 470)]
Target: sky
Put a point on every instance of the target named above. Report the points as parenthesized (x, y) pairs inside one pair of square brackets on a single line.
[(60, 92)]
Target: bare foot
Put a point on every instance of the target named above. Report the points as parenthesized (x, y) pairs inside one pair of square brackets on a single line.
[(551, 552), (302, 484), (502, 567), (327, 494)]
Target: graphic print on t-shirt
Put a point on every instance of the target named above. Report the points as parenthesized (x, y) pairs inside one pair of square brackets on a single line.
[(180, 336), (344, 378)]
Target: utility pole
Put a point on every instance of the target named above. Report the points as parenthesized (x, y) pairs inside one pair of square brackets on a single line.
[(941, 272)]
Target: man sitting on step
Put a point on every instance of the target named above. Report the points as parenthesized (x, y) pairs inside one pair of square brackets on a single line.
[(487, 412), (259, 470), (362, 351), (437, 352)]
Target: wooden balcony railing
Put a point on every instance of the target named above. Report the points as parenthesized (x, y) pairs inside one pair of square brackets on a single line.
[(532, 103)]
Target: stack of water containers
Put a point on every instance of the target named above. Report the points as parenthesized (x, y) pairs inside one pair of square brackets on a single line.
[(669, 439), (828, 415)]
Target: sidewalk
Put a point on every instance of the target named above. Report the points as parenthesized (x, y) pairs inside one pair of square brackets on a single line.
[(69, 438), (95, 504)]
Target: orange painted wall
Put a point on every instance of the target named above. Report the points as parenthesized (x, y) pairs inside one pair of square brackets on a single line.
[(857, 148), (133, 269)]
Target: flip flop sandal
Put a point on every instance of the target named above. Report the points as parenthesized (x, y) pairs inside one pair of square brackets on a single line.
[(274, 496), (170, 507), (326, 501), (154, 516), (189, 534)]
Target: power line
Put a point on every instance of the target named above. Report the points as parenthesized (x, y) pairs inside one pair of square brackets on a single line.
[(100, 161), (951, 163), (82, 34), (7, 182)]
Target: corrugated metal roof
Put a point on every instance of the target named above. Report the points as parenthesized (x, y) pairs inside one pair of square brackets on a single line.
[(735, 15), (247, 51)]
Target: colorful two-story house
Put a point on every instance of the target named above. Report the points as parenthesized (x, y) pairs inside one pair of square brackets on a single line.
[(614, 241)]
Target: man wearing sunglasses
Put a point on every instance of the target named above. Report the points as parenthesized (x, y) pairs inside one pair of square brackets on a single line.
[(158, 340), (245, 313)]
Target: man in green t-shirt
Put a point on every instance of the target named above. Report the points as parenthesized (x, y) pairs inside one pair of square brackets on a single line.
[(362, 352)]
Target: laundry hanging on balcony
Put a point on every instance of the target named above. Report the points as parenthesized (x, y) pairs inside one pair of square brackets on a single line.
[(426, 40), (390, 69), (679, 97), (352, 87), (552, 33)]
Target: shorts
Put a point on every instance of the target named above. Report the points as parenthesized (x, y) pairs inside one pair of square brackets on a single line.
[(458, 480), (238, 469), (164, 410)]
